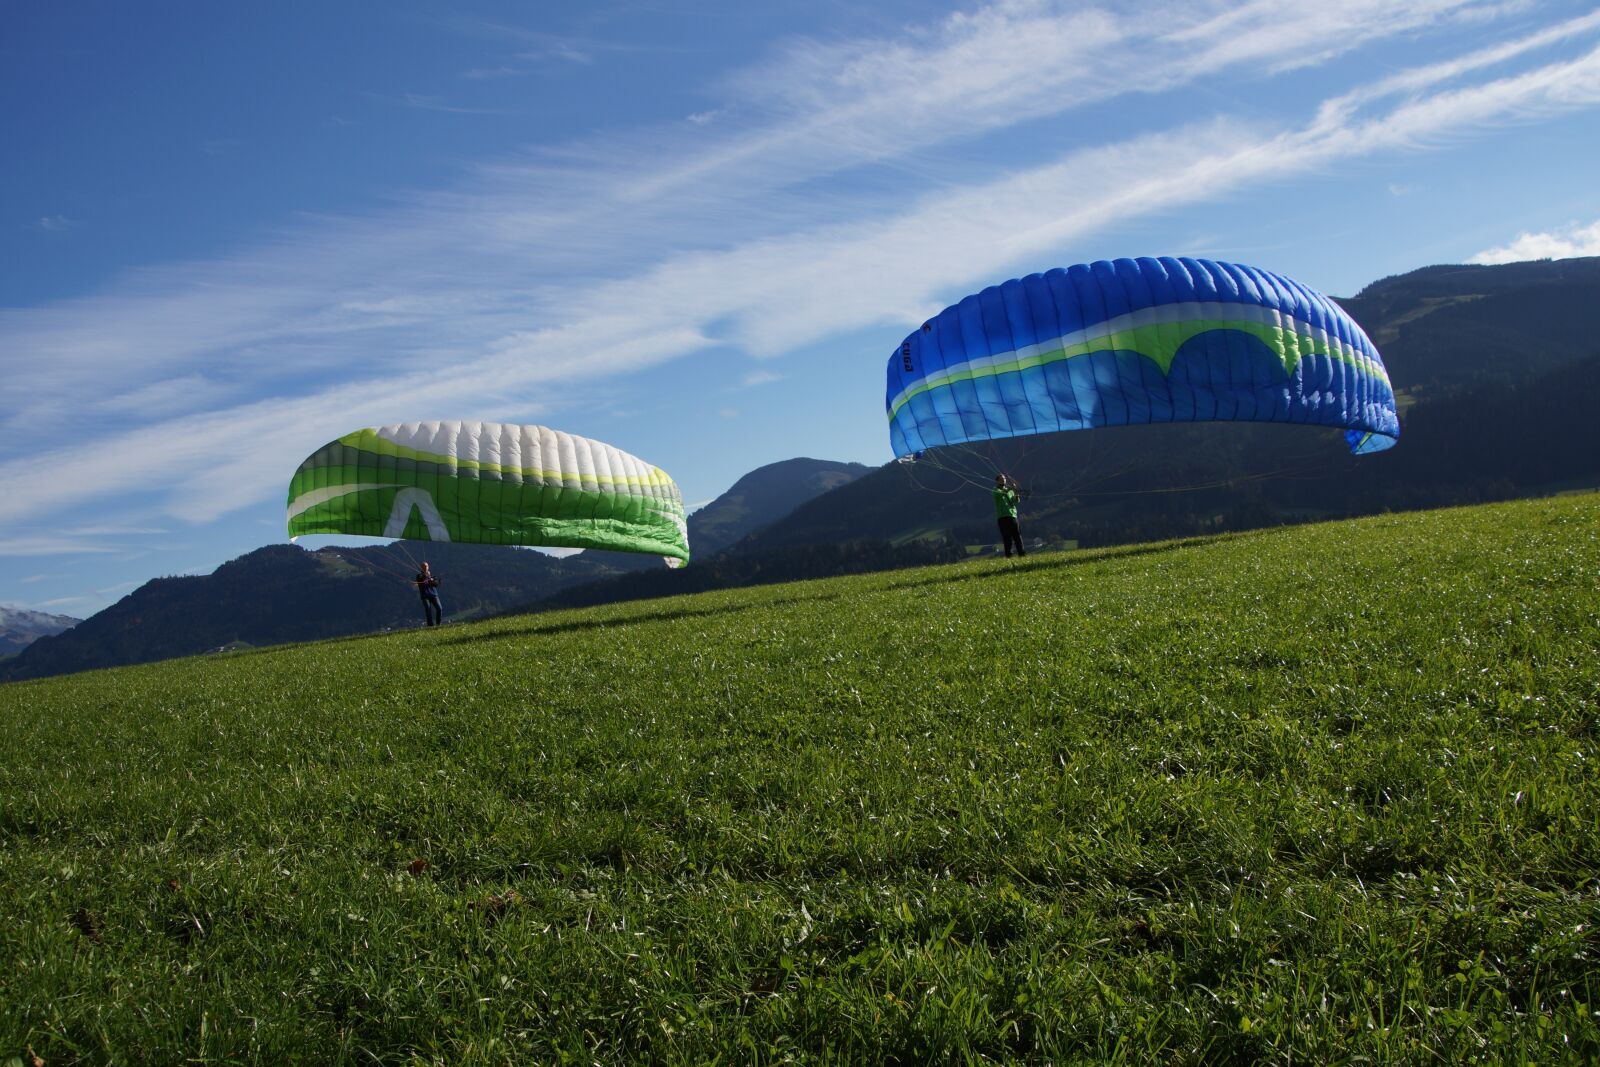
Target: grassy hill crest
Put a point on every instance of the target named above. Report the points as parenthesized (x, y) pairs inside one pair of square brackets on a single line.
[(1307, 793)]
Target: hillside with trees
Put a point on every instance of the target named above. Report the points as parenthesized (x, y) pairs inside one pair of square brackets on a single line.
[(1497, 372), (283, 593)]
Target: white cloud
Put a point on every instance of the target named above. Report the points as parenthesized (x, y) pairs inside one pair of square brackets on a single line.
[(422, 102), (611, 257), (486, 73), (760, 377), (1291, 36), (51, 546), (1565, 243), (111, 531), (61, 602), (55, 224), (119, 587), (570, 51), (1409, 83), (538, 48), (161, 399)]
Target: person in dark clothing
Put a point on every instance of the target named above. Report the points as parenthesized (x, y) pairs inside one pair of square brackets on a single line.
[(1005, 512), (428, 586)]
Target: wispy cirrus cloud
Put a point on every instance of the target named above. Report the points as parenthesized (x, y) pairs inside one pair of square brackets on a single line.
[(1006, 63), (538, 50), (1255, 31), (424, 102), (118, 530), (52, 545), (1428, 76), (605, 258), (63, 602)]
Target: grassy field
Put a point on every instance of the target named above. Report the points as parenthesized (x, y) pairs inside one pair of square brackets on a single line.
[(1317, 795)]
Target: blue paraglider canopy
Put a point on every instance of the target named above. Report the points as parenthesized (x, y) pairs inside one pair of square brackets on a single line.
[(1129, 341)]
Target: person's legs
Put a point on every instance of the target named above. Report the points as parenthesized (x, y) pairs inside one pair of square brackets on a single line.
[(1005, 536), (432, 610), (1012, 536)]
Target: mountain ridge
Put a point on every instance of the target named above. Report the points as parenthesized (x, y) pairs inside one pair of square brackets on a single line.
[(1449, 331), (340, 591), (21, 627), (765, 495), (1497, 370)]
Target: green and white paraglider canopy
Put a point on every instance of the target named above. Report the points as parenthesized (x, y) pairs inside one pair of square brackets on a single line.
[(488, 483)]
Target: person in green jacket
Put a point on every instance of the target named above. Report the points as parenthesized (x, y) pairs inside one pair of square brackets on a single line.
[(1005, 512)]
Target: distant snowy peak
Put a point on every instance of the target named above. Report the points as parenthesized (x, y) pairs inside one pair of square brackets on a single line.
[(20, 627), (13, 616)]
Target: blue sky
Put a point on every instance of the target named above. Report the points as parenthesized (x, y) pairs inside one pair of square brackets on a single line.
[(231, 233)]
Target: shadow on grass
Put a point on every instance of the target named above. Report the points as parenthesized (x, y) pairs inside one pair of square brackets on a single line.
[(963, 572), (1052, 561), (673, 615), (1082, 557)]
